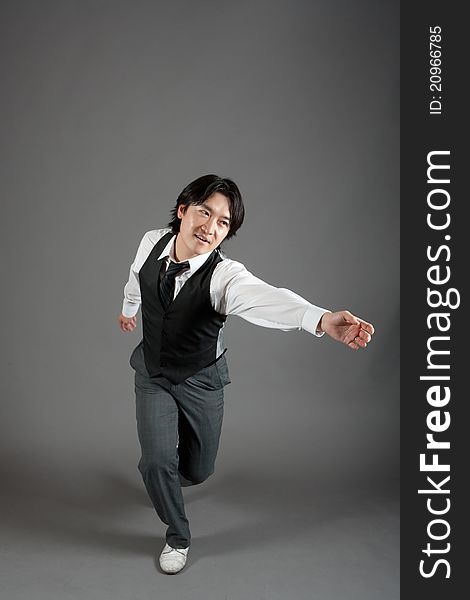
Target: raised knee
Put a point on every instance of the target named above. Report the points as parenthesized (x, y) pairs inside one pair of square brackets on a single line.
[(196, 477)]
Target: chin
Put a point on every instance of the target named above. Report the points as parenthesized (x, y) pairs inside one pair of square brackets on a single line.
[(202, 248)]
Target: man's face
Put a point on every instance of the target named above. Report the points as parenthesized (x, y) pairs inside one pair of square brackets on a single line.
[(203, 226)]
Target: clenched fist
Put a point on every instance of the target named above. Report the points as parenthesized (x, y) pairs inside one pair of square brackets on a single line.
[(127, 323)]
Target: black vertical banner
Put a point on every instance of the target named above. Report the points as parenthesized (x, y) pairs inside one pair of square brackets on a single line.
[(435, 333)]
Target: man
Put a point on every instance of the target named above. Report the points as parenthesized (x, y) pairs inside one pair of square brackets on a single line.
[(187, 288)]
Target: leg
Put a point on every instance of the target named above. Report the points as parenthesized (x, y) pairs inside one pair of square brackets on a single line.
[(201, 405), (157, 426)]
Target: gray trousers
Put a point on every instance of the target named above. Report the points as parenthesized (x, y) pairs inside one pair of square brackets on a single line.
[(179, 429)]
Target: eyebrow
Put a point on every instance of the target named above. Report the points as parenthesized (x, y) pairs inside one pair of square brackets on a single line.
[(210, 210)]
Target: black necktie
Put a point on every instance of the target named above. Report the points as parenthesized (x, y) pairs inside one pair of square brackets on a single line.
[(167, 284)]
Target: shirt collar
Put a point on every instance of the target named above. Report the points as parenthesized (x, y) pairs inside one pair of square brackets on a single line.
[(195, 262)]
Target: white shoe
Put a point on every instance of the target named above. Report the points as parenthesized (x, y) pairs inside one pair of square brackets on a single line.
[(172, 560)]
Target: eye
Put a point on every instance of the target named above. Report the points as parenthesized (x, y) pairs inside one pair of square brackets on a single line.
[(204, 212), (224, 223)]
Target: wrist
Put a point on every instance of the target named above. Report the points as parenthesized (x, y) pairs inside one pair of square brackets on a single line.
[(323, 322)]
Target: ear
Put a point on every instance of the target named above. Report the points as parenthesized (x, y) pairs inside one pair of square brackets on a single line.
[(181, 211)]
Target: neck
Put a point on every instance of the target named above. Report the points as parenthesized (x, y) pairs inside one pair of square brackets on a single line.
[(180, 253)]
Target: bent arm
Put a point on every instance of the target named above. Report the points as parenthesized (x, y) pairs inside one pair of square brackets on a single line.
[(132, 297)]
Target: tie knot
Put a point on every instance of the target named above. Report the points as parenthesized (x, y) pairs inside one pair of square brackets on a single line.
[(167, 284), (175, 268)]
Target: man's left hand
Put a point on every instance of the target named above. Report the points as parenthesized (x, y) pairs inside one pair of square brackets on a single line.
[(344, 327)]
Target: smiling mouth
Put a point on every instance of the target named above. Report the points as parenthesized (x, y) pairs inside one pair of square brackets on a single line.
[(202, 239)]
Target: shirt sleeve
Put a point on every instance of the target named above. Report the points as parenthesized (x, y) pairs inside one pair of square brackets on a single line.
[(236, 291), (132, 298)]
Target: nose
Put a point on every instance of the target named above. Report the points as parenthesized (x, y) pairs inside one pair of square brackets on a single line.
[(209, 226)]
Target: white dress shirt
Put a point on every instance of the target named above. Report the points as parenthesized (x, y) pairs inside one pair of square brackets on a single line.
[(233, 291)]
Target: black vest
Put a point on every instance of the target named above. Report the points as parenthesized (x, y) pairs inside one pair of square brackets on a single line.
[(182, 340)]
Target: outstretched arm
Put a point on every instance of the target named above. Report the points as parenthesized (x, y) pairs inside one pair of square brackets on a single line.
[(344, 327), (236, 291)]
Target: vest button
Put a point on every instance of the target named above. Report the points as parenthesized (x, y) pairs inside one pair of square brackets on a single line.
[(163, 363), (164, 334)]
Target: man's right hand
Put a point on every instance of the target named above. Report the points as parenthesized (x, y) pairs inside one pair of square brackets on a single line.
[(127, 323)]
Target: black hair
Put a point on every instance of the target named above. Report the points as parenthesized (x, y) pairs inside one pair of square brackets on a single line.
[(202, 188)]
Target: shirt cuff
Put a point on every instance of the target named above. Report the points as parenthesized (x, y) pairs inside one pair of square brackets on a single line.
[(129, 309), (311, 319)]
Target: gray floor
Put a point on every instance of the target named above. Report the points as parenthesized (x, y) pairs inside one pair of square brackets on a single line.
[(88, 534)]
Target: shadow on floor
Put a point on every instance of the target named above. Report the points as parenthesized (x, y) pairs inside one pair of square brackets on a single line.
[(96, 508)]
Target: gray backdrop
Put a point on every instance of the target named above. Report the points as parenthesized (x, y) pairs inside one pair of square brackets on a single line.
[(109, 108)]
